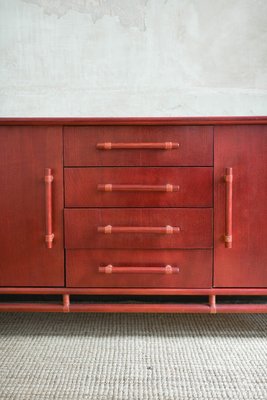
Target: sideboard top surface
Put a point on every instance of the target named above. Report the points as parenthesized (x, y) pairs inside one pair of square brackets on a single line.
[(233, 120)]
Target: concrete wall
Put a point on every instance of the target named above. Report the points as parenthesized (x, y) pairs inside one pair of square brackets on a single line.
[(133, 57)]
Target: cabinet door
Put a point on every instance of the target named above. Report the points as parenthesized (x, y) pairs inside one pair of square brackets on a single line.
[(244, 149), (25, 259)]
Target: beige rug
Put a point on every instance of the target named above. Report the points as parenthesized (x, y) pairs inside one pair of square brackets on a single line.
[(133, 357)]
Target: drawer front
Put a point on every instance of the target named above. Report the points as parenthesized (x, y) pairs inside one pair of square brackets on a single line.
[(139, 268), (138, 146), (139, 187), (138, 228)]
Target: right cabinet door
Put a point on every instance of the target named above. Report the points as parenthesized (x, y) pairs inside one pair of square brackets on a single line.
[(240, 206)]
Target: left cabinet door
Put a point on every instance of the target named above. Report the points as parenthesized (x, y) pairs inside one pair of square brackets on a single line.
[(30, 207)]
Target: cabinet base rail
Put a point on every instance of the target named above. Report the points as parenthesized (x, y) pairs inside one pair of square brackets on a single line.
[(206, 301)]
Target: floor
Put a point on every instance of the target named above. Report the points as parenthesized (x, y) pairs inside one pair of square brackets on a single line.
[(133, 356)]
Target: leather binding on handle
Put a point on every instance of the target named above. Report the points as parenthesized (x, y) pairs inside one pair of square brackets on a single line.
[(228, 237), (132, 146), (112, 269), (108, 229), (49, 235), (109, 187)]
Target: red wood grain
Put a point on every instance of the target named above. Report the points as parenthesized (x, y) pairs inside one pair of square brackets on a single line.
[(81, 228), (195, 187), (25, 152), (244, 148), (195, 146), (195, 268)]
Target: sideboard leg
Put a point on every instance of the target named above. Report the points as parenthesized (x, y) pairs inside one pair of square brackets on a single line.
[(212, 303), (66, 303)]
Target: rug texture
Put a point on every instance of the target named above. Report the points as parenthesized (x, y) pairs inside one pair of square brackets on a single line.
[(133, 357)]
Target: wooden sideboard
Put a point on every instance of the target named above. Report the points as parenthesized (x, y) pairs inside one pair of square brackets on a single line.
[(133, 214)]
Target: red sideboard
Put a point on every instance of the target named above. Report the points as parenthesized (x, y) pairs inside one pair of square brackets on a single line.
[(133, 214)]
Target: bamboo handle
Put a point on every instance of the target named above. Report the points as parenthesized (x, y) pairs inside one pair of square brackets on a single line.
[(109, 187), (108, 229), (112, 269), (49, 235), (228, 237), (132, 146)]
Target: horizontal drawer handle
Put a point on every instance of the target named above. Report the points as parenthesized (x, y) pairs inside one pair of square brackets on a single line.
[(108, 229), (109, 187), (159, 146), (112, 269)]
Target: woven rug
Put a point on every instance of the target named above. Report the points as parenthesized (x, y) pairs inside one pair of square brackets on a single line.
[(133, 357)]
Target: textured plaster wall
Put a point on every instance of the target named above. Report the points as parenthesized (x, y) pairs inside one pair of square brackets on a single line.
[(133, 57)]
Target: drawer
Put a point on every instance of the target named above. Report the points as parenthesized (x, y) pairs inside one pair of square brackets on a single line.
[(139, 187), (138, 146), (154, 228), (140, 268)]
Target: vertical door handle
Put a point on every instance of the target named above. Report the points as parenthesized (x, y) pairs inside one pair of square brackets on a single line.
[(49, 235), (228, 236)]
